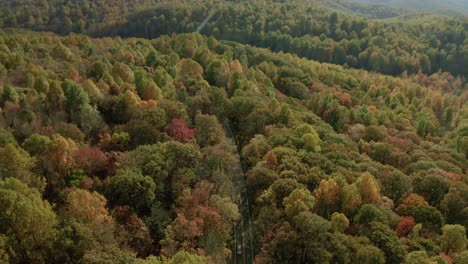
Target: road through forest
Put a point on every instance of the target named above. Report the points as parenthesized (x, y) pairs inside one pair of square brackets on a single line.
[(243, 229)]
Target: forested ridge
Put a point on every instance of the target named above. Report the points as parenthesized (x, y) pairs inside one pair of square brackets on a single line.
[(446, 7), (114, 150), (373, 11), (427, 43)]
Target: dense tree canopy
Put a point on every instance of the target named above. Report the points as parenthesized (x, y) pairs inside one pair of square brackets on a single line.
[(116, 150), (426, 43)]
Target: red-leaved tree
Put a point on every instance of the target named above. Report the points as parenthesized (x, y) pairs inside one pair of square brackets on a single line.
[(194, 222), (405, 226), (179, 130), (91, 159)]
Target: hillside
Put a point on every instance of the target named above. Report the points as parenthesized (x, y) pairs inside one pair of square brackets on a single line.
[(124, 138), (213, 132), (305, 28)]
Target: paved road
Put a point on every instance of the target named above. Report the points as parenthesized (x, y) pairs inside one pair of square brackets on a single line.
[(243, 229)]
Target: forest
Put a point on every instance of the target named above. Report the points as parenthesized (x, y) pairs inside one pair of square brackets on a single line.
[(408, 44), (122, 142), (457, 8)]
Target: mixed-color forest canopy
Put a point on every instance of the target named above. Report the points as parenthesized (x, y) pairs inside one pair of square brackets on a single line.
[(427, 43), (127, 150)]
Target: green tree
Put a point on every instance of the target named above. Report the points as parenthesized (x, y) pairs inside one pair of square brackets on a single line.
[(462, 258), (9, 94), (4, 258), (17, 163), (370, 255), (208, 130), (28, 223), (189, 69), (95, 95), (339, 222), (453, 240), (98, 70), (151, 59), (374, 133), (151, 161), (427, 123), (41, 85), (164, 80), (255, 150), (183, 257), (417, 257), (55, 100), (429, 216), (141, 80), (145, 126), (452, 207), (314, 234), (90, 120), (311, 142), (369, 213), (217, 73), (36, 144), (130, 188), (75, 98), (385, 239), (151, 92), (123, 72), (300, 200), (7, 138), (350, 199), (431, 187)]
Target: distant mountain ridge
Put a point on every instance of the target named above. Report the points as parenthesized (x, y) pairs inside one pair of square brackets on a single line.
[(446, 7), (368, 10)]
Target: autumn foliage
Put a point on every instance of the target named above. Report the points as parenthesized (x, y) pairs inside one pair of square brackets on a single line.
[(178, 148), (179, 130), (404, 226), (91, 159)]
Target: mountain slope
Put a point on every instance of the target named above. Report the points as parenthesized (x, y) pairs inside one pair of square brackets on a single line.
[(123, 136), (129, 147)]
